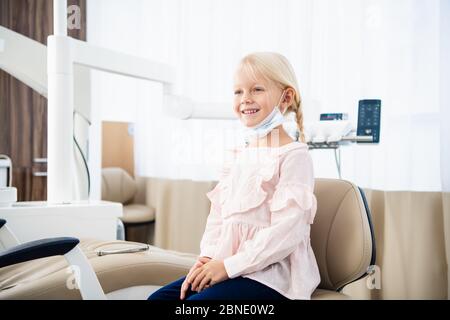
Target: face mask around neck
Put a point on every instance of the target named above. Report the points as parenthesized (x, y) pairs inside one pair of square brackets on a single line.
[(273, 120)]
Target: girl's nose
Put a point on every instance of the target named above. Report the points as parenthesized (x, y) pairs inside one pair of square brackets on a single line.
[(245, 99)]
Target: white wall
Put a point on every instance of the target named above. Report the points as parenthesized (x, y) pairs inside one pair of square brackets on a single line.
[(342, 51), (445, 92)]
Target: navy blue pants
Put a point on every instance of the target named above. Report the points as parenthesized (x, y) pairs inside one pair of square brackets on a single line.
[(238, 288)]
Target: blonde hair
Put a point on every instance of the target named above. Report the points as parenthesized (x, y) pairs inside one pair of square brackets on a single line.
[(275, 68)]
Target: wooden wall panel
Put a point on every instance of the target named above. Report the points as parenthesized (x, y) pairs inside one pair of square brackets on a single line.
[(23, 112)]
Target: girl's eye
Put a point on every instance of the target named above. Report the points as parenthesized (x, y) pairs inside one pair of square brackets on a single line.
[(237, 92), (258, 89)]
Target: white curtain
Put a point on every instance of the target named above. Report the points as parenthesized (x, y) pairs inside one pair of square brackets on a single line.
[(342, 51), (445, 98)]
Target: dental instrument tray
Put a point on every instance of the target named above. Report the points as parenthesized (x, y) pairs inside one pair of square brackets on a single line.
[(130, 249)]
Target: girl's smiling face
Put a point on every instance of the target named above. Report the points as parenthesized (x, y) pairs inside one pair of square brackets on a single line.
[(254, 97)]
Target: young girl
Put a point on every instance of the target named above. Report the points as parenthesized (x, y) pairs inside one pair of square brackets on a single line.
[(256, 243)]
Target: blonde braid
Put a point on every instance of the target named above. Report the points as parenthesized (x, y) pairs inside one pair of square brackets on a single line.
[(300, 123), (297, 109)]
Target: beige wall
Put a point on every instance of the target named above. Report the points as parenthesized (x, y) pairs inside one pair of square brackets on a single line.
[(117, 146)]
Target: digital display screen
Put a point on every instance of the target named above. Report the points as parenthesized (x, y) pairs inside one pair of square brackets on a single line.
[(369, 112)]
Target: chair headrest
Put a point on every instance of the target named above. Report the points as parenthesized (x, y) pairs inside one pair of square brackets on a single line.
[(342, 235), (117, 185)]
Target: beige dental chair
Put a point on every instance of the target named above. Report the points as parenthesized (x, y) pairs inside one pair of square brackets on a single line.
[(138, 218), (342, 239)]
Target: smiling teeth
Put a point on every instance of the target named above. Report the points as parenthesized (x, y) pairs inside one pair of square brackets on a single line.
[(250, 111)]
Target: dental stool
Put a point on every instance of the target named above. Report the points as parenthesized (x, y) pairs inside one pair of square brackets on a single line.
[(341, 236), (138, 219)]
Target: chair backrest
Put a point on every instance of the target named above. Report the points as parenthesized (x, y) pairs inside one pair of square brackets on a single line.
[(342, 235), (117, 185)]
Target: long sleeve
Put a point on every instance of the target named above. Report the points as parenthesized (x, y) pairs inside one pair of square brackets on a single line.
[(214, 220), (213, 226), (292, 207)]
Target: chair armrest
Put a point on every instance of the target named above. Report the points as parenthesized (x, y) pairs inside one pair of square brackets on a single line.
[(37, 249), (86, 280)]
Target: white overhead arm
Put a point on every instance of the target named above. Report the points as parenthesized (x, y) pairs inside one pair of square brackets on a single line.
[(63, 53), (25, 59), (183, 108), (222, 111), (120, 63)]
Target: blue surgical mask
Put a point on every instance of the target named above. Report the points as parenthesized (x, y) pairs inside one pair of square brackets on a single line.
[(273, 120)]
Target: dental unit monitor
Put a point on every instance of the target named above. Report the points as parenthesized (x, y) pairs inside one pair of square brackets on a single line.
[(369, 112), (334, 130)]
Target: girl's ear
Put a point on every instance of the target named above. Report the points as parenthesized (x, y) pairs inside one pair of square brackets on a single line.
[(287, 100)]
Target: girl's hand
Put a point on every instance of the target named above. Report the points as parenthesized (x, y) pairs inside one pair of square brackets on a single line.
[(200, 262), (209, 274)]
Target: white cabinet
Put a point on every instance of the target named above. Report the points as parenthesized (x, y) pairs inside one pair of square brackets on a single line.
[(85, 219)]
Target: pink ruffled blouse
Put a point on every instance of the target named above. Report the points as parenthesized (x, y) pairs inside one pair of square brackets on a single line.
[(260, 217)]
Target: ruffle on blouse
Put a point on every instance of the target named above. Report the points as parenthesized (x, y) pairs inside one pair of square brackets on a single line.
[(250, 196), (298, 193), (217, 195), (214, 195)]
